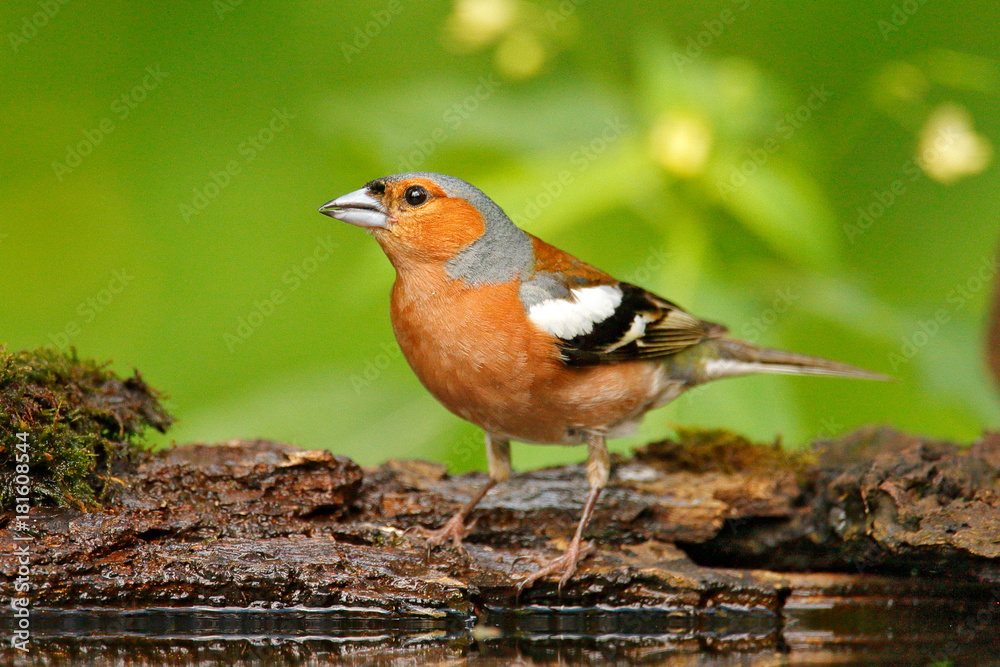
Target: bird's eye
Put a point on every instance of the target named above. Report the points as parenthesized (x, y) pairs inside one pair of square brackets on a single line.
[(415, 195)]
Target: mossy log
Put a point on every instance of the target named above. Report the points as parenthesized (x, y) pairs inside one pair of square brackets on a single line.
[(260, 523)]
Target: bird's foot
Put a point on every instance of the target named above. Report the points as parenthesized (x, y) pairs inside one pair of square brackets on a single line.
[(454, 530), (565, 564)]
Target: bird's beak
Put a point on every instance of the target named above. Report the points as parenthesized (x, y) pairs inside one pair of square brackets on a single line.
[(357, 208)]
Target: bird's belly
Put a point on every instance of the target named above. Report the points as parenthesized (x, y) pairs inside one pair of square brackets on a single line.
[(508, 391), (484, 361), (492, 385)]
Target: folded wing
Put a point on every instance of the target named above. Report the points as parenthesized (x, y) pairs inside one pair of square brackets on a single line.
[(600, 322)]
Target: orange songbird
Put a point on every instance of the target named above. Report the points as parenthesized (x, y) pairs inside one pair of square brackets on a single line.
[(529, 342)]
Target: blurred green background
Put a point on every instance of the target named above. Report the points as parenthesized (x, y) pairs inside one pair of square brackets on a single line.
[(820, 177)]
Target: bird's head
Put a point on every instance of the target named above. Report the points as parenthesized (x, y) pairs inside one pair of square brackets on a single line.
[(427, 217)]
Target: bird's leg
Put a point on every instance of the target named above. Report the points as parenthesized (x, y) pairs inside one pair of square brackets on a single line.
[(455, 528), (498, 457), (575, 552), (598, 468)]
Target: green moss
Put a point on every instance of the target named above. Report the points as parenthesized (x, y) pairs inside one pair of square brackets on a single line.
[(83, 423), (697, 450)]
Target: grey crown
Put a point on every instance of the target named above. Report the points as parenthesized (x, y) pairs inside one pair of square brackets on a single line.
[(501, 254)]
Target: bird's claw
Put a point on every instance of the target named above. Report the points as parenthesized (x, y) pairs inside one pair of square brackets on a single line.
[(523, 557), (455, 530), (566, 564)]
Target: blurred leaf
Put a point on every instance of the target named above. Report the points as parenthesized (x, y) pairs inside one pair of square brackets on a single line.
[(785, 208), (643, 200)]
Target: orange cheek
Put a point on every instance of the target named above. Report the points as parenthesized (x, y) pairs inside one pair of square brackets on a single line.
[(439, 232)]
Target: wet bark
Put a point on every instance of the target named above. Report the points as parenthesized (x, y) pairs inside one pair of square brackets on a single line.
[(263, 524)]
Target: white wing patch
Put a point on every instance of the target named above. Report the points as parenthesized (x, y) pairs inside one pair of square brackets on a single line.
[(567, 318), (635, 332)]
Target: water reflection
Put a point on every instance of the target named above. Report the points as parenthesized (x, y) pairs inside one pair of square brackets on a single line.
[(857, 631)]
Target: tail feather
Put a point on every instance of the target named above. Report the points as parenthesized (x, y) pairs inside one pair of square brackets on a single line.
[(738, 358)]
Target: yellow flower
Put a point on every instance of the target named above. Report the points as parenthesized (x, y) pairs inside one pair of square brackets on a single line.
[(949, 146), (475, 23), (680, 141), (520, 55)]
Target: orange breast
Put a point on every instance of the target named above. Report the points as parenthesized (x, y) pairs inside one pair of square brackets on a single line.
[(476, 351)]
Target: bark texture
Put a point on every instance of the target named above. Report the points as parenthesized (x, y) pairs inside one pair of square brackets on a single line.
[(707, 532)]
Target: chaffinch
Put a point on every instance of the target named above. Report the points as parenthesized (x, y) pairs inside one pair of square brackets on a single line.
[(529, 342)]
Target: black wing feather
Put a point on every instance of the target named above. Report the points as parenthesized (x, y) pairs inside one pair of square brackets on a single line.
[(668, 329)]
